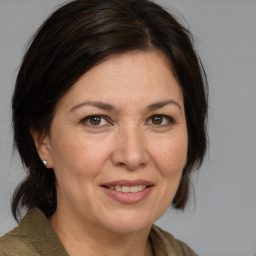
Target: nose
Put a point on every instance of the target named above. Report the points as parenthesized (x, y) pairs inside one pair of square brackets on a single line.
[(130, 149)]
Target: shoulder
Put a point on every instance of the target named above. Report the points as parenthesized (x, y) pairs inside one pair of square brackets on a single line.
[(15, 243), (33, 236), (165, 244)]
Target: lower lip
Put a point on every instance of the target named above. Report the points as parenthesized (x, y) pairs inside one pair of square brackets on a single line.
[(128, 198)]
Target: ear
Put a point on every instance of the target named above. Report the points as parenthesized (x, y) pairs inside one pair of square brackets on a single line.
[(42, 143)]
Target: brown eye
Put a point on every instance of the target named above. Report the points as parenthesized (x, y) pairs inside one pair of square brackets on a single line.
[(161, 120), (94, 120), (157, 120)]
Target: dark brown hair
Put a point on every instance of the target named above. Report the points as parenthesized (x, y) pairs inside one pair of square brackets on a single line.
[(75, 38)]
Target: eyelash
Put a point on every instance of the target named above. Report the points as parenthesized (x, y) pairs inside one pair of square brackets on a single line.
[(170, 120), (86, 121)]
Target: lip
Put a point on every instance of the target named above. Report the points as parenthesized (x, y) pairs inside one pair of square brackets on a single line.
[(127, 198), (128, 183)]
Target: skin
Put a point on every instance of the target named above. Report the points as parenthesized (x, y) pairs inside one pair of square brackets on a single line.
[(126, 142)]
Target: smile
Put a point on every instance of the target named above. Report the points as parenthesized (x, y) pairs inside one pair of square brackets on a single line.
[(127, 191), (128, 186)]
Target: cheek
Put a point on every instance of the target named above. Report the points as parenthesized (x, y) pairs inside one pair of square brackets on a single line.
[(171, 156), (78, 156)]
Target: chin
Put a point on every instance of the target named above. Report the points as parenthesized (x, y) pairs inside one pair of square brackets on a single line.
[(129, 222)]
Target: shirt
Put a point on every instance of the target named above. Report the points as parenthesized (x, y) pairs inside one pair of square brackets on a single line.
[(34, 236)]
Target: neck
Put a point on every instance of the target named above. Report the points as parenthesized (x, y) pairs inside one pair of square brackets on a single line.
[(90, 239)]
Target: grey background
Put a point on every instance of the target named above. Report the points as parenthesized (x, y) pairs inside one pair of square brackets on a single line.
[(222, 220)]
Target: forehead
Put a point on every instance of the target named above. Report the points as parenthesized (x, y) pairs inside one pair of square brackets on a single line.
[(133, 64), (132, 76)]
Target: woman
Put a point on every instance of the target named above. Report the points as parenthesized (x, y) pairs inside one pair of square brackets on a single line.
[(109, 114)]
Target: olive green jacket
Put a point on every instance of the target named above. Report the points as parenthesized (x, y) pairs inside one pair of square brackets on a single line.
[(34, 236)]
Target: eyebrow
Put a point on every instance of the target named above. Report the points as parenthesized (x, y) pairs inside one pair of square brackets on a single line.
[(161, 104), (111, 108), (98, 104)]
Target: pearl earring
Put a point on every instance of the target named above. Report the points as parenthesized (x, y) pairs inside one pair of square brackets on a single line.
[(44, 162)]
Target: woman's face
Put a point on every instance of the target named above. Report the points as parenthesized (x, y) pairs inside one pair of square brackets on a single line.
[(118, 143)]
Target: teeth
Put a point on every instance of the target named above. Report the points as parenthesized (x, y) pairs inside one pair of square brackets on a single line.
[(134, 189), (118, 188), (125, 189), (128, 189)]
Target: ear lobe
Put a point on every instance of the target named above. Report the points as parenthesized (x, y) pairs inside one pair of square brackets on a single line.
[(42, 144)]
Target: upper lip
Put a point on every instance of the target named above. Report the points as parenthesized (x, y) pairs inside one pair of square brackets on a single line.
[(127, 183)]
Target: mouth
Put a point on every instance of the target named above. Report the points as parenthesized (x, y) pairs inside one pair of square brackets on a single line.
[(127, 189), (128, 192)]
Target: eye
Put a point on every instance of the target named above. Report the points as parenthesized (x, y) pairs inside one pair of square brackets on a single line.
[(95, 120), (161, 120)]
